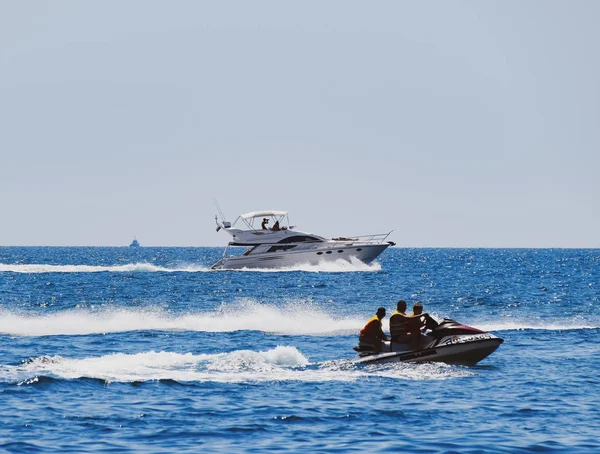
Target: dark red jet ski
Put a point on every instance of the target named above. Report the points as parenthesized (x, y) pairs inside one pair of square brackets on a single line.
[(450, 342)]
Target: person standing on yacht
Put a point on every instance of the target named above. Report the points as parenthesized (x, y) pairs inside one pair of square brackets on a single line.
[(264, 223), (372, 334)]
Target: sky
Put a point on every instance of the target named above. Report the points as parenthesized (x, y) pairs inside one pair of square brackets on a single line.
[(452, 123)]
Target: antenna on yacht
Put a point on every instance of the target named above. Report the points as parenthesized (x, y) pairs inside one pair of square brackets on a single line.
[(224, 224), (223, 218)]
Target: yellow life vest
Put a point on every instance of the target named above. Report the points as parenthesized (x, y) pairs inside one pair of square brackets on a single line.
[(399, 324)]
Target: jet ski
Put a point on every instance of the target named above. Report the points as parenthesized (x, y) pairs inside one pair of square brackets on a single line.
[(450, 342)]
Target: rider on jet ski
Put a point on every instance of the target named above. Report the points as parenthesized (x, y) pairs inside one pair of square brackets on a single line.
[(406, 329), (421, 322), (425, 320), (400, 324), (372, 334)]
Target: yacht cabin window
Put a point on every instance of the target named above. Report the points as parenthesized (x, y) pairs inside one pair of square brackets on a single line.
[(300, 239)]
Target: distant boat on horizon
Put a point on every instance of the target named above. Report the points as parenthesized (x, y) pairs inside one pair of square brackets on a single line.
[(135, 243)]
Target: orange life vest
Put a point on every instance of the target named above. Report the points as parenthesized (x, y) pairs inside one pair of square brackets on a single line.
[(372, 328)]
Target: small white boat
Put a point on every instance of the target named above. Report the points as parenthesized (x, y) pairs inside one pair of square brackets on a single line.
[(272, 242)]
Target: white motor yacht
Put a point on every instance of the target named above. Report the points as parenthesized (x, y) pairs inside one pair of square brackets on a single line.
[(272, 242)]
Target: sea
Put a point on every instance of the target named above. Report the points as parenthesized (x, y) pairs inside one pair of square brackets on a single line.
[(146, 350)]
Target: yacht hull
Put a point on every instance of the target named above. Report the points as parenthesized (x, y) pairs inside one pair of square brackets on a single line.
[(366, 253)]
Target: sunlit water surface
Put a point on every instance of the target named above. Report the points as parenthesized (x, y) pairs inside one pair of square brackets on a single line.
[(146, 350)]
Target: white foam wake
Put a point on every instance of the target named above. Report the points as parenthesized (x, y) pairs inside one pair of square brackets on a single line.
[(337, 266), (293, 317), (128, 268), (558, 325), (530, 323), (283, 363), (299, 317)]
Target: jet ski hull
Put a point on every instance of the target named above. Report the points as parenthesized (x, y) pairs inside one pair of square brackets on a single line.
[(467, 353), (449, 342)]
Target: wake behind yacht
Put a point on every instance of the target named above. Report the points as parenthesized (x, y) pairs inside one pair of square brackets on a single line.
[(272, 242)]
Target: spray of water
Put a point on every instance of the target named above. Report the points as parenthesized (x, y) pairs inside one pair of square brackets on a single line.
[(300, 317), (338, 266), (290, 317), (129, 268), (283, 363)]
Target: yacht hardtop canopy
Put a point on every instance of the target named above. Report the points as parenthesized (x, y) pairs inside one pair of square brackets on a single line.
[(260, 214)]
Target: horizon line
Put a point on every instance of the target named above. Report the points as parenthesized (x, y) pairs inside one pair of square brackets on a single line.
[(218, 247)]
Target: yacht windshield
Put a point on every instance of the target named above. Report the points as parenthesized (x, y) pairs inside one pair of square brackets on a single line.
[(300, 239)]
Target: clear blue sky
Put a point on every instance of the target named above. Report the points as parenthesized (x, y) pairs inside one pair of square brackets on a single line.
[(455, 123)]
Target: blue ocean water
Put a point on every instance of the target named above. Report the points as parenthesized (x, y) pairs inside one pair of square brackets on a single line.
[(145, 350)]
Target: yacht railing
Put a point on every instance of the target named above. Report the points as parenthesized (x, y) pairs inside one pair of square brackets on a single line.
[(378, 238)]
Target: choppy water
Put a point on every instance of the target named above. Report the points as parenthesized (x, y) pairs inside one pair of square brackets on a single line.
[(145, 350)]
